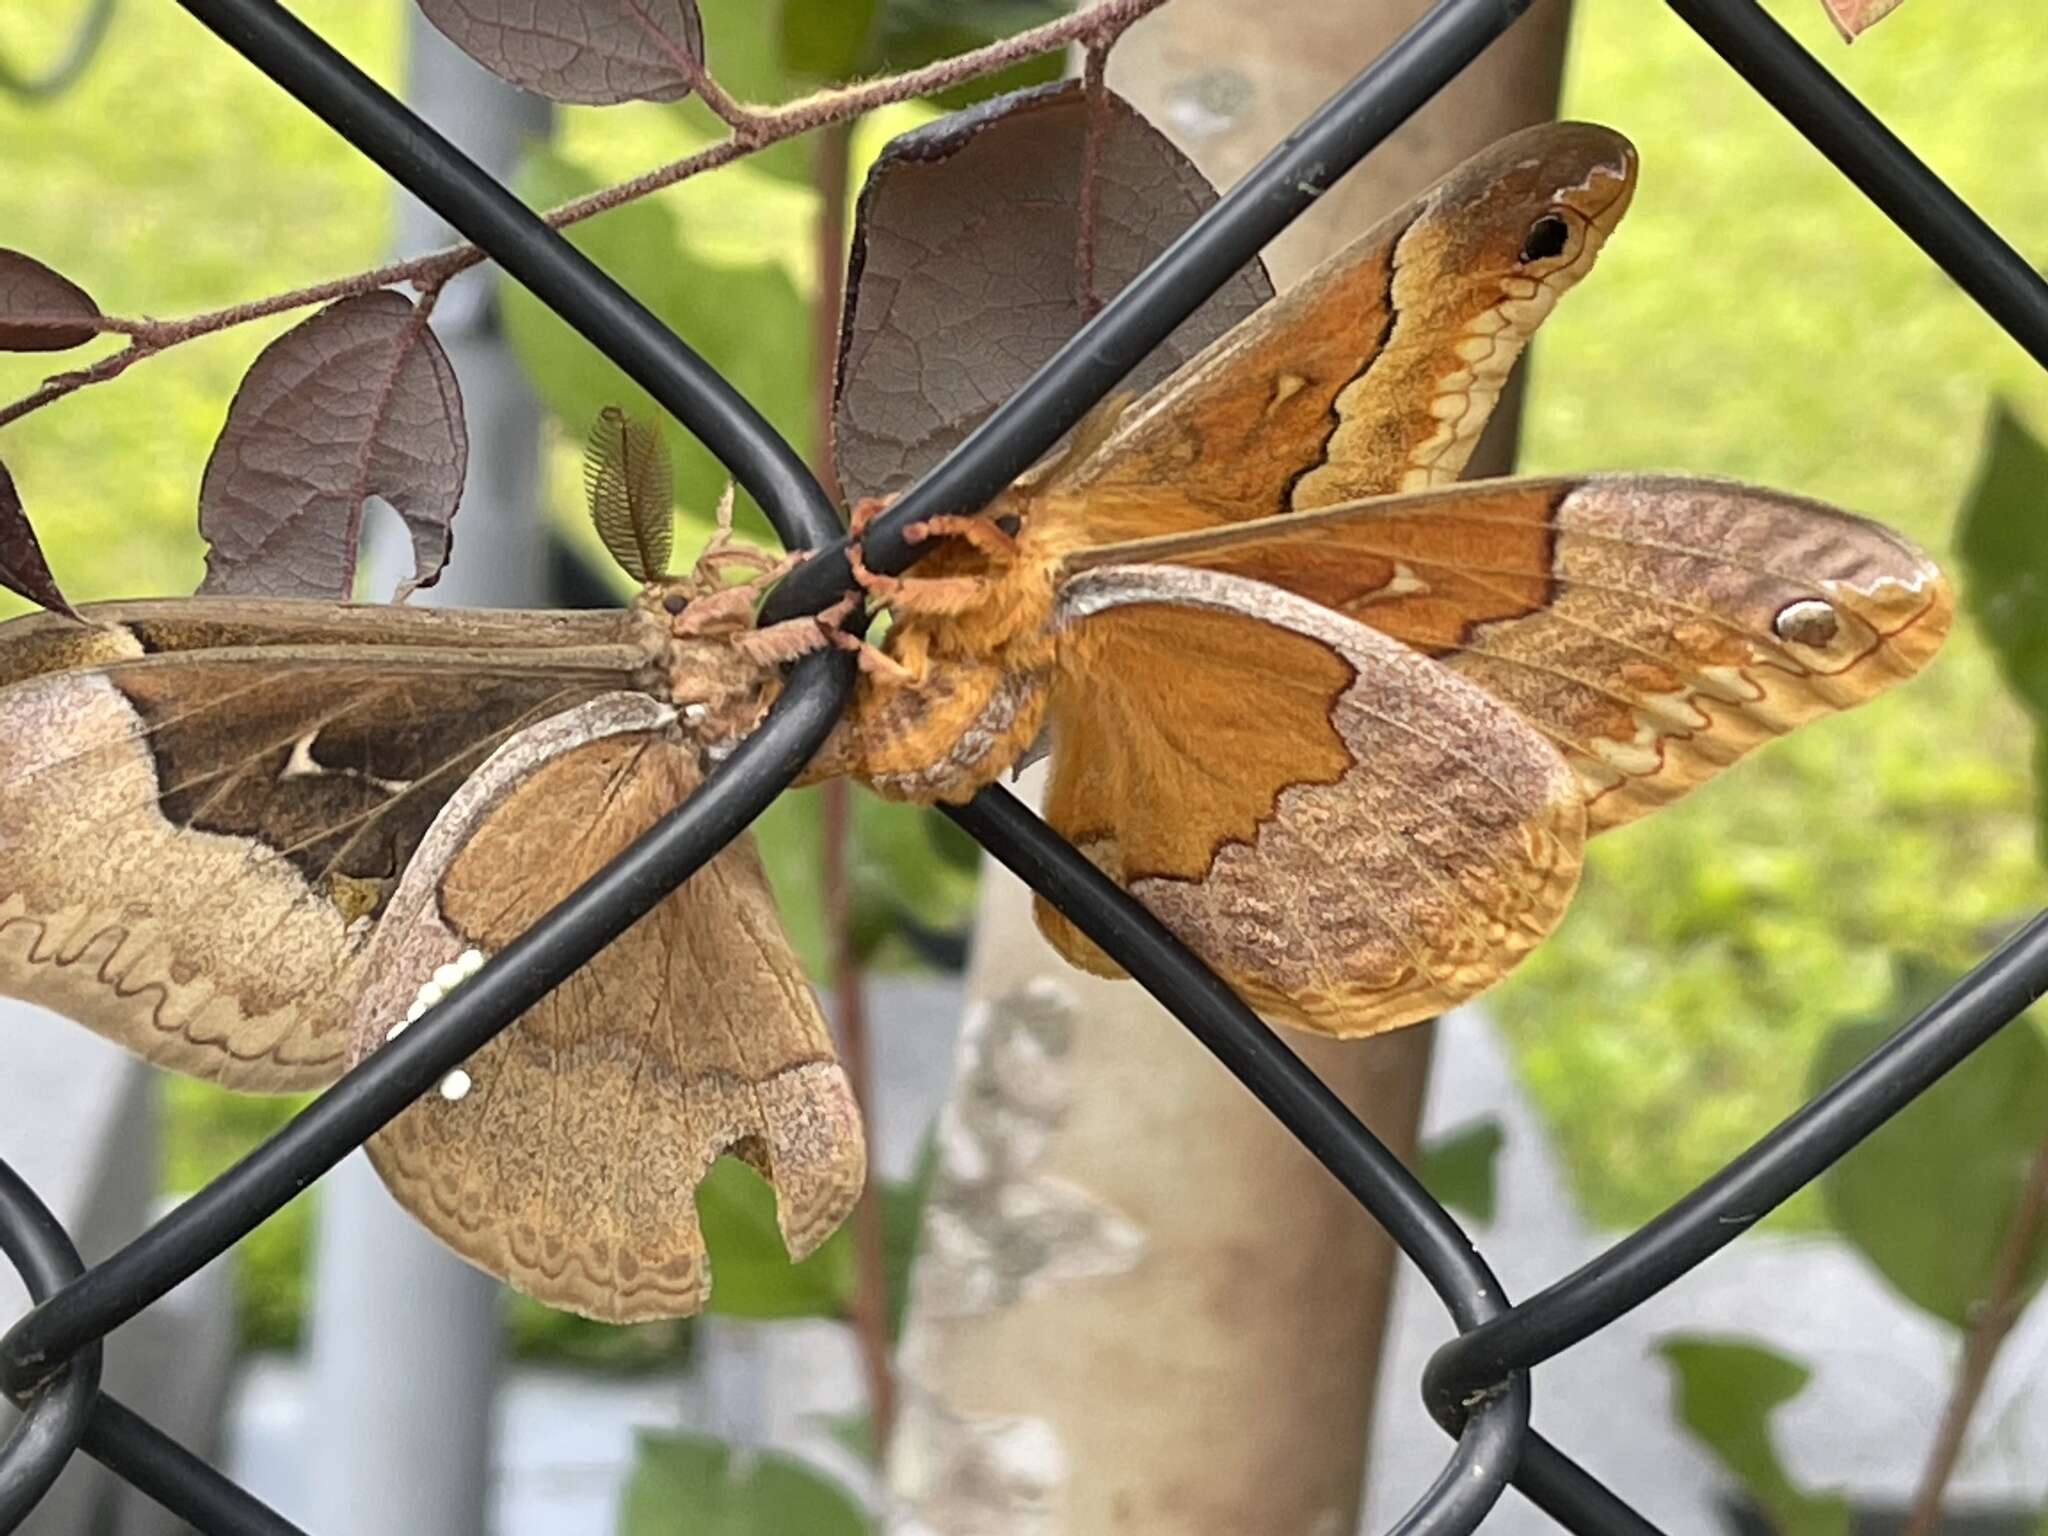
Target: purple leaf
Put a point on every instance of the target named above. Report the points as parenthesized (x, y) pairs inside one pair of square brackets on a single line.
[(22, 567), (963, 275), (42, 310), (359, 401), (596, 52)]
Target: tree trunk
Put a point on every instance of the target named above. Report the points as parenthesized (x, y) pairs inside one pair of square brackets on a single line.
[(1139, 1305)]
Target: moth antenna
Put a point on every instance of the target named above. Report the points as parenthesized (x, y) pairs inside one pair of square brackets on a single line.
[(629, 481)]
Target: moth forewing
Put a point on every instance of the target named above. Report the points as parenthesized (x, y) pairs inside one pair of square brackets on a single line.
[(1656, 628), (196, 839), (566, 1154)]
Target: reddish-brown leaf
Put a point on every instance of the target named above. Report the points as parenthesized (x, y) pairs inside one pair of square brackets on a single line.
[(963, 275), (22, 567), (42, 310), (596, 52), (359, 401), (1854, 16)]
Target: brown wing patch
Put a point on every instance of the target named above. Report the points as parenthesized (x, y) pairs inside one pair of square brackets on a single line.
[(569, 1159), (1656, 629), (1350, 835), (189, 868)]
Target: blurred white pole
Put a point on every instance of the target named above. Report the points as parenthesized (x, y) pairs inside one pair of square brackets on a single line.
[(405, 1336)]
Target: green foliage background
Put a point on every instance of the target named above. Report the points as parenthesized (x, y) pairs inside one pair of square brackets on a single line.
[(1754, 317)]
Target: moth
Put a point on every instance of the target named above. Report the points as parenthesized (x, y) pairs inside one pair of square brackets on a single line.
[(253, 840), (1341, 722)]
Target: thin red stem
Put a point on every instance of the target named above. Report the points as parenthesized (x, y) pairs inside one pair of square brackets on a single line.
[(870, 1235), (1988, 1331)]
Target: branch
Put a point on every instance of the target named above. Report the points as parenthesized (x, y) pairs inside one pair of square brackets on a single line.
[(754, 129), (1988, 1332)]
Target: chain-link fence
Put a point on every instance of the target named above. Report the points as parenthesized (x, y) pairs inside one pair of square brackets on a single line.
[(1478, 1386)]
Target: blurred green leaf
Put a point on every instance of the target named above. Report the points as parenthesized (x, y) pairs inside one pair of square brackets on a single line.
[(1727, 1390), (789, 835), (2002, 536), (747, 321), (703, 1487), (828, 40), (536, 1331), (1929, 1196), (206, 1131), (751, 1275), (1458, 1167), (899, 874), (902, 1220), (919, 32), (743, 50)]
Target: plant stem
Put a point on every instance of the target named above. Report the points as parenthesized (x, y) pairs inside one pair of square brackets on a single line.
[(1988, 1331), (871, 1292), (754, 129)]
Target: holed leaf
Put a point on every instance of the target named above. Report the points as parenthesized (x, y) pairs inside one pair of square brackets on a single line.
[(695, 1483), (358, 401), (592, 52), (963, 276), (22, 567), (1929, 1198), (42, 310), (631, 488), (1727, 1391)]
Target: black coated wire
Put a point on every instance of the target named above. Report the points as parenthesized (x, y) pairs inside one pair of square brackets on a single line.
[(71, 63), (534, 255), (1944, 226), (668, 853), (203, 1227), (123, 1441), (1477, 1385), (54, 1416), (1712, 1216), (1301, 1101), (1275, 192)]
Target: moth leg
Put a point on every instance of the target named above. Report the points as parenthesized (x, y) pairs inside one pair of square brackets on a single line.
[(786, 641), (876, 662)]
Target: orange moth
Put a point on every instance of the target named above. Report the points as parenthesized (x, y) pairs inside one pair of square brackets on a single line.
[(1341, 721)]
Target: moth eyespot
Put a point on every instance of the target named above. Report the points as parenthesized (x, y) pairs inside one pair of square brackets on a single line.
[(455, 1086), (1546, 238), (1810, 621), (675, 602)]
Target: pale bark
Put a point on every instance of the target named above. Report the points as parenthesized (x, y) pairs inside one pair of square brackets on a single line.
[(1140, 1305)]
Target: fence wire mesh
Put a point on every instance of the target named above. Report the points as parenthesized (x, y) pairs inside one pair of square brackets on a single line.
[(1478, 1385)]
